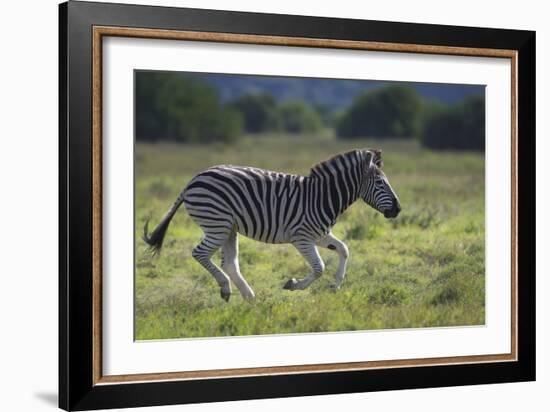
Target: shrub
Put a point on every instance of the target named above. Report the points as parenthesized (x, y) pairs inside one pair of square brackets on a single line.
[(391, 111), (259, 112), (391, 295), (327, 115), (447, 295), (298, 117), (457, 127), (170, 106), (361, 231)]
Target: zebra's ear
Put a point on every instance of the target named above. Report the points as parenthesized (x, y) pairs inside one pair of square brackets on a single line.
[(374, 157), (378, 158)]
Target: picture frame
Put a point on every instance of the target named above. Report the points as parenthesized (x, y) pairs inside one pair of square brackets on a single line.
[(83, 27)]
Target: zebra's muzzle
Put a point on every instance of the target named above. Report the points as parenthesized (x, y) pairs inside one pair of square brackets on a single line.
[(394, 211)]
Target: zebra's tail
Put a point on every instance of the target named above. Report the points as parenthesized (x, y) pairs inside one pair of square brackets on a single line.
[(155, 239)]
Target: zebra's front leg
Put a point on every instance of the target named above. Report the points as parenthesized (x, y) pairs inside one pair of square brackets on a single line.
[(333, 243), (203, 253), (310, 253)]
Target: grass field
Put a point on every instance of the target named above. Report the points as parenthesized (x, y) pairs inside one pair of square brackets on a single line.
[(423, 269)]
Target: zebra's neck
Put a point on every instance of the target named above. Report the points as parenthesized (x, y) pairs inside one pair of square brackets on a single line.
[(334, 187)]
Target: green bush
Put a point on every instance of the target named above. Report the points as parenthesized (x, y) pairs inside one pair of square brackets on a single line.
[(170, 106), (387, 112), (259, 112), (390, 295), (298, 117), (327, 115), (457, 127)]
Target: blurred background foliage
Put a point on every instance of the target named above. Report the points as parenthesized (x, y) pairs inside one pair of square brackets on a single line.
[(460, 126), (184, 109), (299, 117), (259, 111), (190, 107), (391, 111)]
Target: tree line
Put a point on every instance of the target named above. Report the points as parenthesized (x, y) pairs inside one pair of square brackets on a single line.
[(170, 106)]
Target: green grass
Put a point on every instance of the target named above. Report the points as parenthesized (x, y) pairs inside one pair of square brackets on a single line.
[(423, 269)]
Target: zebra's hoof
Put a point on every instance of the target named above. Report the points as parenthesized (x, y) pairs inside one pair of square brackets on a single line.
[(291, 284), (225, 295)]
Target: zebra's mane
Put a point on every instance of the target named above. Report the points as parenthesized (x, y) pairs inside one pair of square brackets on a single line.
[(350, 155)]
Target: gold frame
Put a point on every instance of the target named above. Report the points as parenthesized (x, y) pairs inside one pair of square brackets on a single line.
[(101, 31)]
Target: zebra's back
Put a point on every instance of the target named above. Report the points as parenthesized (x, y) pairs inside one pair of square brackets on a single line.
[(261, 204)]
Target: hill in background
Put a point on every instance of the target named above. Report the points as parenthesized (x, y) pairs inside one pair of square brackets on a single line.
[(334, 94)]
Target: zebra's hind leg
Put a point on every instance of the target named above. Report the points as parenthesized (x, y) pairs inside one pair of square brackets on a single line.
[(310, 253), (230, 264), (203, 253), (333, 243)]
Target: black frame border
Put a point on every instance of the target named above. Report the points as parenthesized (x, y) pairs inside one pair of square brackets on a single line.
[(76, 388)]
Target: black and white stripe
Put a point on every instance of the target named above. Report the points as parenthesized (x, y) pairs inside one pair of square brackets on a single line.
[(274, 207)]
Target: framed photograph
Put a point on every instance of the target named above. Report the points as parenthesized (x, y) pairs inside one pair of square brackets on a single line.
[(256, 205)]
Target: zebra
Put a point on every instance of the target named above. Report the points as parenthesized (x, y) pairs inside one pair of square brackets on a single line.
[(274, 207)]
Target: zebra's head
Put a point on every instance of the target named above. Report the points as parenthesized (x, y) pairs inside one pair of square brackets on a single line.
[(377, 191)]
